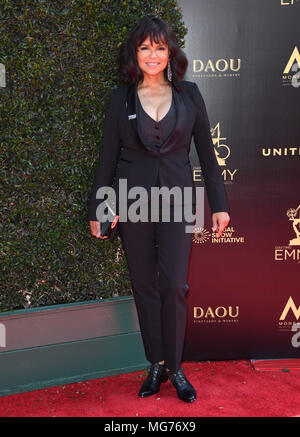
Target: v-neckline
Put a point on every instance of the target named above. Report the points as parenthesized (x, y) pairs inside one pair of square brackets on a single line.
[(155, 121)]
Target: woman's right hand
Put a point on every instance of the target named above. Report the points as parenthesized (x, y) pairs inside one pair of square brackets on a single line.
[(96, 229)]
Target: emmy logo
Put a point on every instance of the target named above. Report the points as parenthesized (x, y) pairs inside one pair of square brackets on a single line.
[(294, 216)]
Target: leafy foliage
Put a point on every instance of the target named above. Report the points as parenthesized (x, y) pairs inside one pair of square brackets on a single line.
[(60, 60)]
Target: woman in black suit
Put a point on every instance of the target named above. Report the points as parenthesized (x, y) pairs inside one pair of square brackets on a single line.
[(149, 124)]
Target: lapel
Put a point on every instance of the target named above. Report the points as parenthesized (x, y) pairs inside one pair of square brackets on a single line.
[(181, 119)]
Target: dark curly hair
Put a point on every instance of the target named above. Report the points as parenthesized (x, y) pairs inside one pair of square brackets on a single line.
[(158, 30)]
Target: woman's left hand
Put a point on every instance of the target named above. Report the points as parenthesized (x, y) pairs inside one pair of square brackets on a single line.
[(219, 221)]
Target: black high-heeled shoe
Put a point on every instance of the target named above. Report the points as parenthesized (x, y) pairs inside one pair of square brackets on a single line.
[(185, 390), (151, 385)]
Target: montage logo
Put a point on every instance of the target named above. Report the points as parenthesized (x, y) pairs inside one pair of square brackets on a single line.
[(292, 251), (289, 316), (291, 73)]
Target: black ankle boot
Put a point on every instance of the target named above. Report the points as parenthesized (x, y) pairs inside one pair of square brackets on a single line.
[(185, 390), (151, 385)]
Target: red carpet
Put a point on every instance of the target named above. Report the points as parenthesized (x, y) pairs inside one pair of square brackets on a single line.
[(224, 388)]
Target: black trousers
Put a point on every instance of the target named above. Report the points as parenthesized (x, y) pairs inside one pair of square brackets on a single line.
[(157, 255)]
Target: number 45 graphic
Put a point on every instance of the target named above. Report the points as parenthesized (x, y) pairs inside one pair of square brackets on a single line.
[(223, 150)]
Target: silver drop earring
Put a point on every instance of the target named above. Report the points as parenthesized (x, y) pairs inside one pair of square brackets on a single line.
[(169, 72)]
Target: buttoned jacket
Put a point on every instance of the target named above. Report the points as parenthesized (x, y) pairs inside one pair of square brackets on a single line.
[(123, 155)]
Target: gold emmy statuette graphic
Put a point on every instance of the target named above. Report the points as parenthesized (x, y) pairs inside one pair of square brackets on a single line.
[(294, 216)]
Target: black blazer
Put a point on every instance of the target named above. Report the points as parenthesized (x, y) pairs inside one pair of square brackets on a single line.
[(123, 155)]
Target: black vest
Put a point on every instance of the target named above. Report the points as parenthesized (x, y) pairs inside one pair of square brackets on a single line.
[(152, 132)]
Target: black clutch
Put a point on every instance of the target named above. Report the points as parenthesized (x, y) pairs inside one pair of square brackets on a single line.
[(109, 226)]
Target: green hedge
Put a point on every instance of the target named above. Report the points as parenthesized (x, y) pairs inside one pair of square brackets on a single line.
[(60, 60)]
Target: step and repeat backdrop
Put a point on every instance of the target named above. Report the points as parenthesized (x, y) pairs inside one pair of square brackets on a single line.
[(244, 298)]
